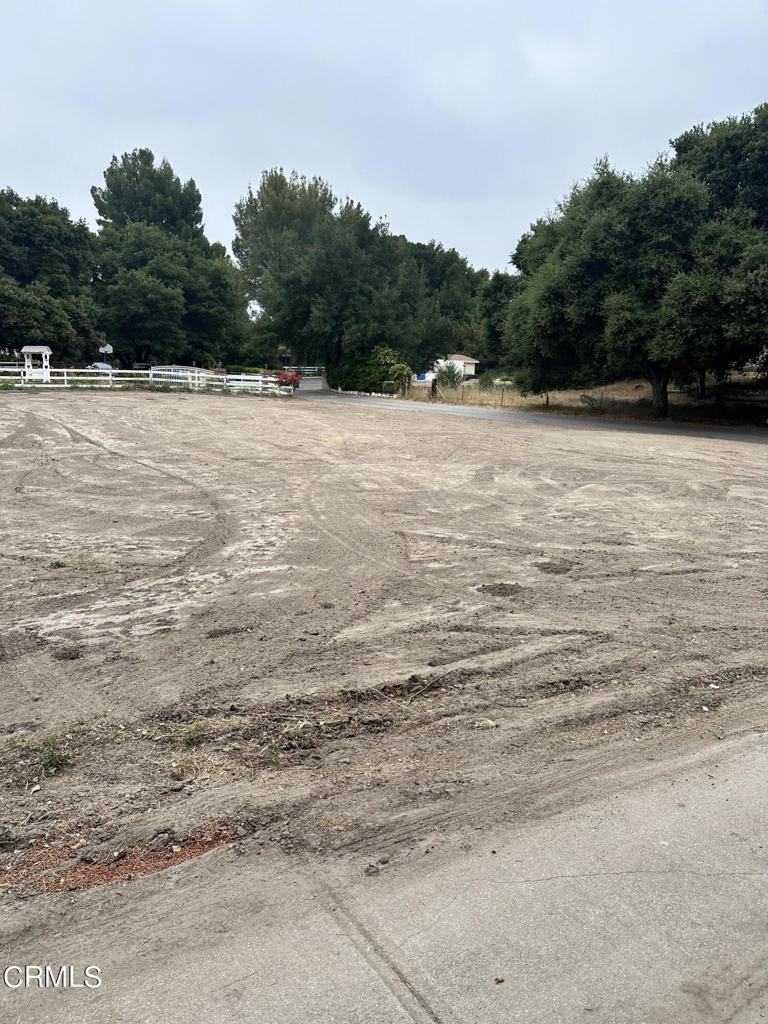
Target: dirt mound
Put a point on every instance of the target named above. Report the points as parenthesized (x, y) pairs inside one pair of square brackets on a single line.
[(500, 589)]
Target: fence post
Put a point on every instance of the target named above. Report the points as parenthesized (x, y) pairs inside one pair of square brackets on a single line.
[(502, 395)]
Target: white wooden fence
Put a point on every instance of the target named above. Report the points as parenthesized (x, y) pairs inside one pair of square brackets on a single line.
[(192, 377)]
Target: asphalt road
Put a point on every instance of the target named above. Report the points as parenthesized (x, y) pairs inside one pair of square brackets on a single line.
[(560, 421), (646, 905)]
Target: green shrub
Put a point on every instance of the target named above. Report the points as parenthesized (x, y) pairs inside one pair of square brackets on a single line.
[(382, 370), (449, 375), (194, 736), (247, 369)]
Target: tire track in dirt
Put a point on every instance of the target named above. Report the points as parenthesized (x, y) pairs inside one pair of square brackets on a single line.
[(200, 558), (219, 533)]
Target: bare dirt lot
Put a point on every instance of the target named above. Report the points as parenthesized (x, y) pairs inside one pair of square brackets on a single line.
[(334, 629)]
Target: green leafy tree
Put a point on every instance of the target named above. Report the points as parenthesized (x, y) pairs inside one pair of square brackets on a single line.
[(655, 225), (138, 191), (636, 275), (555, 319), (167, 299), (164, 293), (731, 158), (717, 311), (495, 297)]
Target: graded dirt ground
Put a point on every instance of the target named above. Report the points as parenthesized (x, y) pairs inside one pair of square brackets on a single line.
[(340, 630)]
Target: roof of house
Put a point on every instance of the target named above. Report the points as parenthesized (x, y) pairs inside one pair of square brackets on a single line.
[(464, 359), (37, 350)]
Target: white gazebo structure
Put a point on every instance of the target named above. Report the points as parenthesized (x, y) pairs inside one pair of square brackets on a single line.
[(34, 369)]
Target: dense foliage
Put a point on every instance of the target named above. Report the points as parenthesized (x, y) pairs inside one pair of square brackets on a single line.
[(163, 291), (46, 266), (665, 274), (137, 191), (382, 372), (332, 285), (149, 281)]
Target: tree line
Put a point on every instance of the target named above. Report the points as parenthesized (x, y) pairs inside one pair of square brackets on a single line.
[(663, 274), (315, 279)]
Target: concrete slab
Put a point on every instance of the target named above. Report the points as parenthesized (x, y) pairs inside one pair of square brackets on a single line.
[(645, 906)]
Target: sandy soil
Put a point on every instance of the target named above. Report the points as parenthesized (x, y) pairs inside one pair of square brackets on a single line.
[(334, 629)]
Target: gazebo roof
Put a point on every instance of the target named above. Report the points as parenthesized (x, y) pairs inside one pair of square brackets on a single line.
[(37, 350)]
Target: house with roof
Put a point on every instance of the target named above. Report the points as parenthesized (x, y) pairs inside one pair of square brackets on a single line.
[(467, 365)]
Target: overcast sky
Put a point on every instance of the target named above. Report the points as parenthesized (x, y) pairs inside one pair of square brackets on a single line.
[(457, 121)]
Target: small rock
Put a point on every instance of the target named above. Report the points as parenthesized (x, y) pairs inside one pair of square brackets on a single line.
[(371, 720), (372, 869), (35, 789)]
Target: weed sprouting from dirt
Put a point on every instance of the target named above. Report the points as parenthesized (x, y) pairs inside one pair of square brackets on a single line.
[(194, 736), (31, 762), (53, 754), (275, 751)]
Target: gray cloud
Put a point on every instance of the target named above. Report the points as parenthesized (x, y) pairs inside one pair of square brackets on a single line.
[(457, 122)]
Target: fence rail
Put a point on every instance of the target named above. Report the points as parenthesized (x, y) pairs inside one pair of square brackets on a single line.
[(306, 371), (191, 377)]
